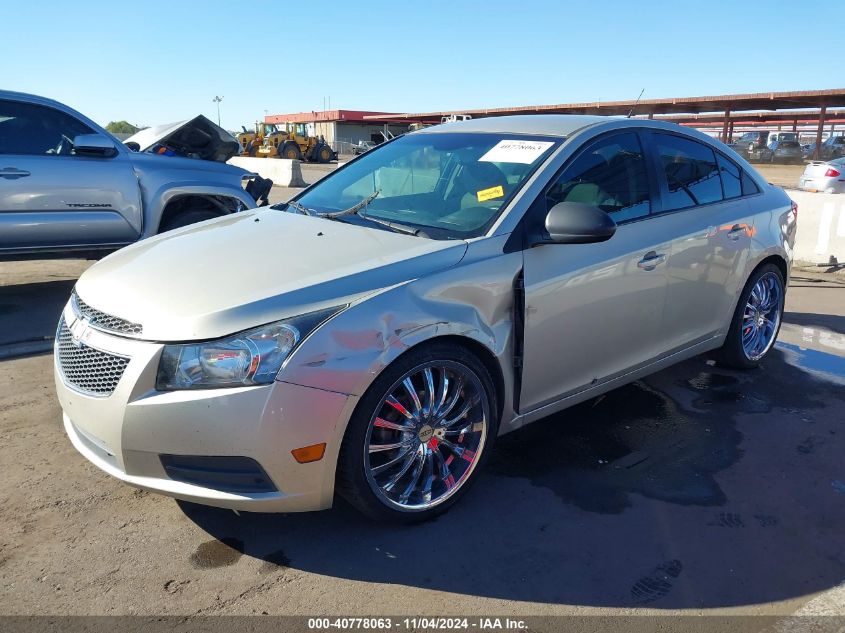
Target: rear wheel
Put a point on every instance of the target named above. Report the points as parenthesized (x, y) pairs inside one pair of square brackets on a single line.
[(419, 435), (756, 321)]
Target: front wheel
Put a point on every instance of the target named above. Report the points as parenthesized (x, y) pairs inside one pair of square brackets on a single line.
[(324, 154), (291, 151), (185, 218), (756, 321), (419, 435)]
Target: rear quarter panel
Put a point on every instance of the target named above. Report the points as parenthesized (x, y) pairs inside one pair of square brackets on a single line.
[(774, 228)]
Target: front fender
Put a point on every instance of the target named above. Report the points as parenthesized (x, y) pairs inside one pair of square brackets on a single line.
[(157, 195), (473, 300)]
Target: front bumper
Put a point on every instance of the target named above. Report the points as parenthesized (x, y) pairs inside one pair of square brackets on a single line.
[(126, 432)]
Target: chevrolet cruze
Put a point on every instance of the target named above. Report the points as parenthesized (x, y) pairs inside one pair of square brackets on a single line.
[(373, 336)]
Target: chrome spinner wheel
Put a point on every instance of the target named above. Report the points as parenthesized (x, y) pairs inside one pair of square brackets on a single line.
[(762, 315), (426, 436)]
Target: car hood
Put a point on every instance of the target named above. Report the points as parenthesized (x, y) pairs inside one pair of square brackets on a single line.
[(229, 274), (196, 138)]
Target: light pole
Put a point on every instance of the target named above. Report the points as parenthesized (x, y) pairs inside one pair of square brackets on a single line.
[(217, 100)]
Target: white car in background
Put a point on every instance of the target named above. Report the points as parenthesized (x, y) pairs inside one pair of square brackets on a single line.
[(824, 176)]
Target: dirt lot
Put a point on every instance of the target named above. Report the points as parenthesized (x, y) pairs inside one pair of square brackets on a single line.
[(698, 490), (783, 175)]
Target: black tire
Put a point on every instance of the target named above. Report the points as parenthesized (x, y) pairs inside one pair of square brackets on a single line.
[(184, 218), (352, 483), (324, 154), (732, 354), (291, 151)]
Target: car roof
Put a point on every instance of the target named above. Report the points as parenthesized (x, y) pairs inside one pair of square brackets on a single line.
[(30, 98), (540, 124)]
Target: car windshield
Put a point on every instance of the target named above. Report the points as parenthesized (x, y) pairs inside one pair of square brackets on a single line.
[(449, 185)]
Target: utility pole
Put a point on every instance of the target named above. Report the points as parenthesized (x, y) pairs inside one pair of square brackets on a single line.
[(217, 100)]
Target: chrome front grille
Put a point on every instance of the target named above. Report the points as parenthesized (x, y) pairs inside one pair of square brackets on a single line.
[(101, 320), (85, 368)]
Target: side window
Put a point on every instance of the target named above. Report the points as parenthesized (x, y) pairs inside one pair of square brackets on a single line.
[(611, 175), (731, 183), (748, 185), (692, 176), (31, 129)]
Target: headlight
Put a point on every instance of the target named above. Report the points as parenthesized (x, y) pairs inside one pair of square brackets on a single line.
[(253, 357)]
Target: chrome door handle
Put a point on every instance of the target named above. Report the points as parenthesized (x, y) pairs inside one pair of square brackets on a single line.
[(736, 232), (651, 260), (11, 173)]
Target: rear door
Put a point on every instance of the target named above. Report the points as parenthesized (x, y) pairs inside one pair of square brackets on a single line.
[(52, 199), (593, 311), (706, 211)]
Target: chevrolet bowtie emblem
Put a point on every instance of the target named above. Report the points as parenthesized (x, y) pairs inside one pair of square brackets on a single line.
[(78, 330)]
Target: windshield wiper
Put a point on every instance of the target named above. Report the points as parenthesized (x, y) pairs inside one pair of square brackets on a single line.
[(396, 227), (298, 207), (358, 209)]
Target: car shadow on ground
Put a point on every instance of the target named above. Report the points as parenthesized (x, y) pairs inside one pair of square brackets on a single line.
[(30, 311), (697, 487), (832, 322)]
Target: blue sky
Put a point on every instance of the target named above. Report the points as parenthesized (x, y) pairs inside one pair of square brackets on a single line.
[(154, 62)]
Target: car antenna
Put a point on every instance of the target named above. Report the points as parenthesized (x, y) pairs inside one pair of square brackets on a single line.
[(631, 111)]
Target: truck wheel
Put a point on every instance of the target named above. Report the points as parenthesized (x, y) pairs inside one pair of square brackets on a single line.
[(324, 154), (291, 152), (184, 218)]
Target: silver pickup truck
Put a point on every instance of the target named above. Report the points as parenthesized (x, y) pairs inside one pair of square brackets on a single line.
[(69, 188)]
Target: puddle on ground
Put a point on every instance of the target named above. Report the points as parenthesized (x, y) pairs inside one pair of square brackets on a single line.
[(706, 380), (632, 440), (639, 440), (214, 553)]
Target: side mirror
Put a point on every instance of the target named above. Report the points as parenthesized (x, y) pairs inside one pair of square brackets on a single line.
[(578, 223), (94, 145)]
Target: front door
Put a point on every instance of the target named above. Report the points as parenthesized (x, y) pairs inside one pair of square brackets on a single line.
[(50, 198), (594, 311)]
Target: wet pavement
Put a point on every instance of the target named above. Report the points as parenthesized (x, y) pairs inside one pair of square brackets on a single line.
[(697, 488)]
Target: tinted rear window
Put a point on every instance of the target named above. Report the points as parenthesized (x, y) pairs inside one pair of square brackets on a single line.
[(748, 185), (731, 182), (692, 176)]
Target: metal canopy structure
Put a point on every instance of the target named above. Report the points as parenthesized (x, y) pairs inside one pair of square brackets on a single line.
[(723, 107)]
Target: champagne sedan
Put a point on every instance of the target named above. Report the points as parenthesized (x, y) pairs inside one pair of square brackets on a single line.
[(375, 335)]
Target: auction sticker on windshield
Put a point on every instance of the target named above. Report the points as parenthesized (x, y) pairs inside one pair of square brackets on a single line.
[(490, 194), (511, 151)]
